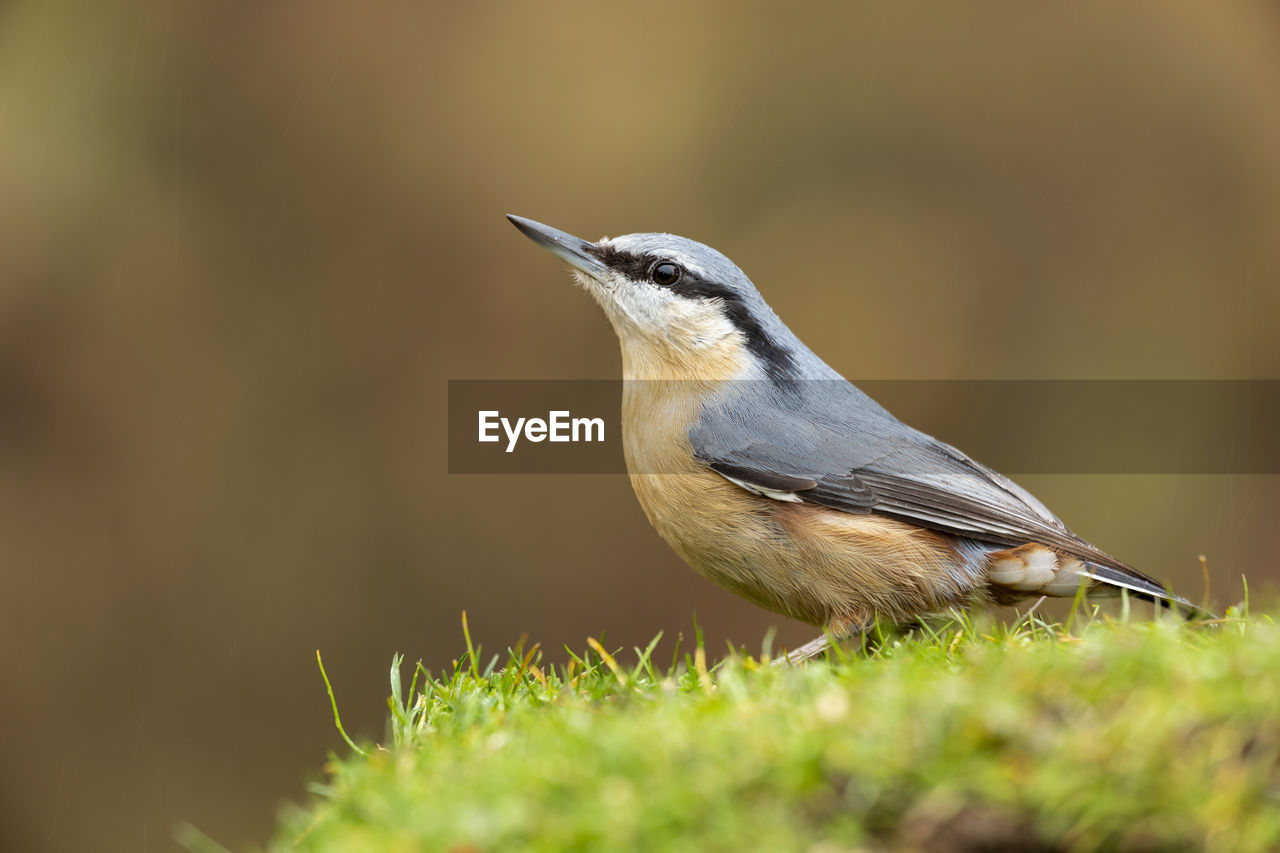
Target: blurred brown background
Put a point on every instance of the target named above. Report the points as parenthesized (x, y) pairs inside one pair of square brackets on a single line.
[(243, 247)]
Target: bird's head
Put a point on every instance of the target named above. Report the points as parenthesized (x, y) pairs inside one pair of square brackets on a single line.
[(681, 310)]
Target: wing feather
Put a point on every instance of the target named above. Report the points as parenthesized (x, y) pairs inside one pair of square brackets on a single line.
[(860, 459)]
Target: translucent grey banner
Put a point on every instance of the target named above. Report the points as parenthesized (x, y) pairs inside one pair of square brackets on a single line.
[(1015, 426)]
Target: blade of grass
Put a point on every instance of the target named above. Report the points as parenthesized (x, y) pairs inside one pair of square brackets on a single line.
[(471, 651), (337, 720), (608, 660)]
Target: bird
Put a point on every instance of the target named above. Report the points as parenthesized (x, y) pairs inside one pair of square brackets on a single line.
[(772, 475)]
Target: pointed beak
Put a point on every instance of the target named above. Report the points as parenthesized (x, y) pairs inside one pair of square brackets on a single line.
[(566, 247)]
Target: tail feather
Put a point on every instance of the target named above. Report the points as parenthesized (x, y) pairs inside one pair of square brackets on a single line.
[(1148, 589), (1035, 569)]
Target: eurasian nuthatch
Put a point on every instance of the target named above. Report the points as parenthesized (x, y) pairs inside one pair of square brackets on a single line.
[(772, 475)]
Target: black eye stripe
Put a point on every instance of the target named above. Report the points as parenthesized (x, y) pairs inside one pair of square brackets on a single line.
[(631, 265), (642, 267), (639, 267)]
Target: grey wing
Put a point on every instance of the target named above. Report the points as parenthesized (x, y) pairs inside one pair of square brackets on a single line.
[(828, 443), (861, 459)]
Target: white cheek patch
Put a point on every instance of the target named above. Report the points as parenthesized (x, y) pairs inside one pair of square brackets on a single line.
[(641, 304), (699, 324), (648, 309)]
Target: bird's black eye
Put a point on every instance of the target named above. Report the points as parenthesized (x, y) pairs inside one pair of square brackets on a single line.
[(666, 273)]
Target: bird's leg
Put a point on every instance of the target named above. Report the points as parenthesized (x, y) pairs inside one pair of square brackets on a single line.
[(838, 629), (813, 648)]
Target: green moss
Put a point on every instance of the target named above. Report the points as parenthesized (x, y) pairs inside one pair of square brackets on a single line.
[(1116, 736)]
